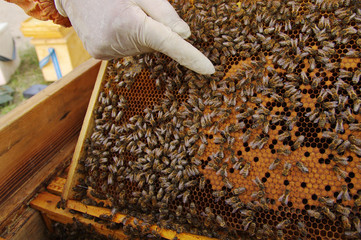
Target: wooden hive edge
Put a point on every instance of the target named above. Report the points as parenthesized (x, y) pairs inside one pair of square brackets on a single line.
[(94, 211), (46, 203), (86, 128)]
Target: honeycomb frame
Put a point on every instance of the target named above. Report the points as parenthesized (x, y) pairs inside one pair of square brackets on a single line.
[(325, 169)]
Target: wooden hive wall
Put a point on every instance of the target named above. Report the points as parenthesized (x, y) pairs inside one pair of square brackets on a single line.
[(287, 77)]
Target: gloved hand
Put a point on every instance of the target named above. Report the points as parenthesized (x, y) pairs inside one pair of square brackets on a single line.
[(117, 28)]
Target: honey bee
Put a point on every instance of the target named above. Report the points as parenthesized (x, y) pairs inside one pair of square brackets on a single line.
[(354, 140), (340, 160), (325, 200), (351, 92), (335, 143), (274, 164), (344, 195), (258, 194), (267, 230), (302, 228), (185, 196), (223, 170), (355, 126), (356, 105), (358, 201), (219, 194), (237, 206), (284, 151), (346, 222), (347, 115), (238, 191), (258, 182), (221, 221), (315, 82), (283, 135), (357, 223), (322, 119), (352, 234), (192, 209), (251, 229), (302, 167), (314, 214), (298, 142), (245, 170), (286, 169), (285, 223), (328, 213), (247, 222), (284, 198), (339, 172), (202, 182), (247, 213), (178, 211), (227, 183), (329, 134), (322, 96), (312, 63), (330, 104), (355, 149), (343, 210)]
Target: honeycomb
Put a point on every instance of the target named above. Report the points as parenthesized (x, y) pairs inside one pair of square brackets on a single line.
[(267, 146)]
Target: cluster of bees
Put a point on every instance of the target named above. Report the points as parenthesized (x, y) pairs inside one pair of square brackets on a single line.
[(76, 231), (269, 145)]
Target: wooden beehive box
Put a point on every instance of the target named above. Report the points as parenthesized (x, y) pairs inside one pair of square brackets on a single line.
[(279, 119), (37, 140)]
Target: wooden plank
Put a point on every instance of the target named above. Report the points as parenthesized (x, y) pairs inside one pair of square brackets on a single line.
[(47, 222), (56, 185), (33, 229), (28, 226), (118, 218), (97, 211), (11, 207), (72, 175), (37, 136), (46, 203), (39, 127)]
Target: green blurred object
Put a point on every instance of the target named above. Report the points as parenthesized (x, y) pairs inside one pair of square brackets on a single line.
[(6, 94)]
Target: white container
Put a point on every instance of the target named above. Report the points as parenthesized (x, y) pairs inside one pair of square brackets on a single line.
[(7, 50)]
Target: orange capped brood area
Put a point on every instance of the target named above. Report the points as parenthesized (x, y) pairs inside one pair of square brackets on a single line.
[(269, 145)]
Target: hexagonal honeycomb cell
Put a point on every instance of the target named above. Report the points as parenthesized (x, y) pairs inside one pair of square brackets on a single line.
[(269, 145)]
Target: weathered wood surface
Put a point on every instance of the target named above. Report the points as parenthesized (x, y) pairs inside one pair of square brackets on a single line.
[(54, 187), (84, 133), (29, 225), (46, 203), (39, 135)]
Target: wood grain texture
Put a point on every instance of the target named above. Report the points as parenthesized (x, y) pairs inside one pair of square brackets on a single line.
[(34, 228), (12, 206), (46, 203), (56, 186), (28, 226), (39, 134), (85, 131), (118, 218)]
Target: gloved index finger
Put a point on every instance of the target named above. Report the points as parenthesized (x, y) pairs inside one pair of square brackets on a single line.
[(157, 36), (163, 12)]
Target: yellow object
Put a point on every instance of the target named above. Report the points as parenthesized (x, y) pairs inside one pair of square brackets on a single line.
[(68, 47)]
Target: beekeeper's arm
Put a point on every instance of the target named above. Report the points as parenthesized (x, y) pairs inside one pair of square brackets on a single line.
[(43, 10), (117, 28)]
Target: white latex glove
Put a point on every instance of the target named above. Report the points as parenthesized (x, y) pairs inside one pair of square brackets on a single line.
[(117, 28)]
